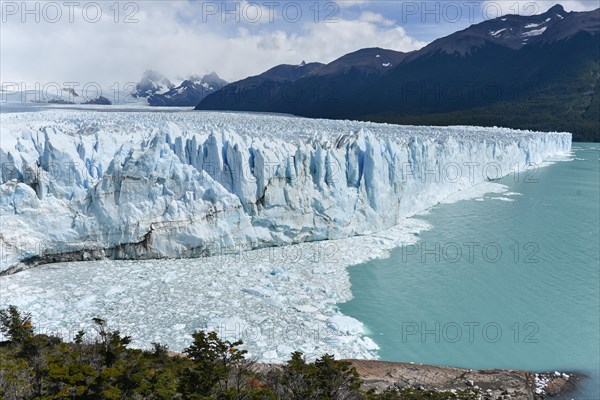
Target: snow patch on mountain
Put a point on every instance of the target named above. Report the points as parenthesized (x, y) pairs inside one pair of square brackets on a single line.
[(529, 26), (535, 32), (498, 32)]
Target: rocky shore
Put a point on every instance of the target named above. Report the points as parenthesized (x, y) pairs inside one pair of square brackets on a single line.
[(488, 384)]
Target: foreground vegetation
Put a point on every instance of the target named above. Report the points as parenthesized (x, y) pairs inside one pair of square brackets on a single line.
[(42, 367)]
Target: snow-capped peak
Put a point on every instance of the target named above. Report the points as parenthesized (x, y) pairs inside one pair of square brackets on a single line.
[(152, 82), (190, 92), (516, 30)]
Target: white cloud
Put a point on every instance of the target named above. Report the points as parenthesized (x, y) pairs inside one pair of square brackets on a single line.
[(108, 52), (351, 3), (256, 12), (369, 16)]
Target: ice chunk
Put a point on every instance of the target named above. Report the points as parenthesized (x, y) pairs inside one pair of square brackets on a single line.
[(345, 324), (305, 308)]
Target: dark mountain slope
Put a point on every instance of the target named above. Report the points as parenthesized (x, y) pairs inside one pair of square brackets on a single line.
[(539, 72), (258, 93)]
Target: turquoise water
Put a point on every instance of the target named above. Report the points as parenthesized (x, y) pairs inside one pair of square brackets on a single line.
[(466, 305)]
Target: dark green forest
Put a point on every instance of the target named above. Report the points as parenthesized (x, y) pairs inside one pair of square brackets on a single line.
[(100, 365)]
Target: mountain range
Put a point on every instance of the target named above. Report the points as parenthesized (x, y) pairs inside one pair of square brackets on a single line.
[(537, 72), (160, 91)]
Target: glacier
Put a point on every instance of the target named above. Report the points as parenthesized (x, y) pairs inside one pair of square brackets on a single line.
[(83, 185)]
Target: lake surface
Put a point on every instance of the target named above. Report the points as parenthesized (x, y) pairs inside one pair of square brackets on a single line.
[(497, 284)]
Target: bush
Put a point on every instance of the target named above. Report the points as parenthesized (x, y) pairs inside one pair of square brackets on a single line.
[(42, 367), (324, 379)]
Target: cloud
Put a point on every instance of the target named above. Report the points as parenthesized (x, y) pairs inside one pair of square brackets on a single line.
[(351, 3), (177, 40), (369, 16)]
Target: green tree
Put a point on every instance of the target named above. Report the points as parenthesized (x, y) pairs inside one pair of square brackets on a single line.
[(336, 379), (14, 325), (212, 362), (111, 342), (324, 379), (16, 376)]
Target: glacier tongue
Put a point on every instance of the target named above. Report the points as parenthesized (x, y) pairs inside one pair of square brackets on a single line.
[(79, 185)]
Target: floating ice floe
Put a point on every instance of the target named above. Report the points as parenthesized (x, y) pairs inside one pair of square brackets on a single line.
[(273, 314)]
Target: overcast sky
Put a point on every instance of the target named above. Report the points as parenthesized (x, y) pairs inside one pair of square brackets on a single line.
[(98, 42)]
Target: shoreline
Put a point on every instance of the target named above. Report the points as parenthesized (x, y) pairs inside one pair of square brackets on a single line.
[(487, 383)]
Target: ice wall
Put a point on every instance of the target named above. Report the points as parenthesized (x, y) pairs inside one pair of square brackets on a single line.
[(79, 185)]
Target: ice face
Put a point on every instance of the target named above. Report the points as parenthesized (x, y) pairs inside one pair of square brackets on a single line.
[(129, 185)]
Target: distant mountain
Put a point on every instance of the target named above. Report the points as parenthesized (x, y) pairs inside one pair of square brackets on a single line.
[(159, 91), (152, 82), (256, 93), (71, 91), (531, 72), (283, 73), (366, 61), (511, 31), (101, 100), (68, 96), (189, 92)]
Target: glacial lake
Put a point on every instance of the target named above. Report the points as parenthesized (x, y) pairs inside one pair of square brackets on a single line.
[(500, 281), (497, 284)]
